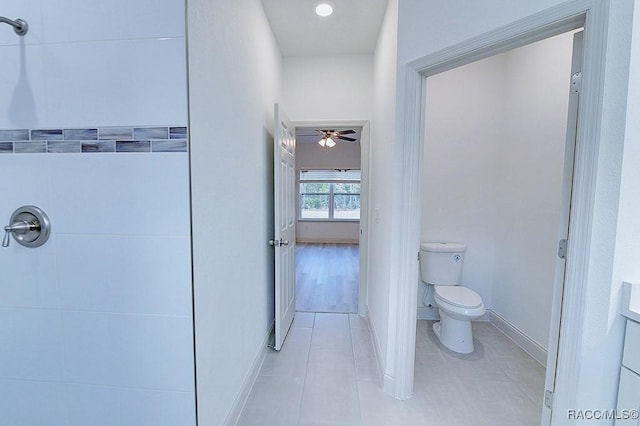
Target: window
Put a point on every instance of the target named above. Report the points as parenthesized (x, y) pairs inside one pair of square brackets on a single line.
[(329, 194)]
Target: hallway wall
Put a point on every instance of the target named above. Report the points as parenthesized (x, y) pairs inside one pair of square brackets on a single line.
[(328, 88), (382, 197), (235, 74), (96, 324)]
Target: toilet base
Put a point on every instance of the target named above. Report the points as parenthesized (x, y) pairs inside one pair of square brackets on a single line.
[(453, 333)]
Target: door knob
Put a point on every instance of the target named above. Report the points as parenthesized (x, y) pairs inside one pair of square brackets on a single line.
[(278, 243)]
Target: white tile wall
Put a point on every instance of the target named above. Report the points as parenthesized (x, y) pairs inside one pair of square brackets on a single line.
[(121, 194), (121, 82), (92, 63), (96, 326), (22, 85), (115, 19), (34, 286), (141, 351), (32, 403), (157, 408), (106, 406), (31, 344), (125, 274)]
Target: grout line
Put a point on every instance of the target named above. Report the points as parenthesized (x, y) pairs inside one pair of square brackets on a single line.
[(306, 370), (95, 384), (355, 368), (87, 311)]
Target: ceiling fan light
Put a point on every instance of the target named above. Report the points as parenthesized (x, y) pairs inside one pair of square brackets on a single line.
[(330, 143), (322, 141), (324, 9)]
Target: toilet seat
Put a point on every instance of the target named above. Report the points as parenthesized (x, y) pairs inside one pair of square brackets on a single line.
[(461, 297)]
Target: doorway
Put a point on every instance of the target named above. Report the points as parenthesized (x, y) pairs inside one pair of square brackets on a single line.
[(331, 191), (498, 168), (536, 27)]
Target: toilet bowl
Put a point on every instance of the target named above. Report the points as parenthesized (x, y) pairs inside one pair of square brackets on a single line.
[(458, 306), (441, 266)]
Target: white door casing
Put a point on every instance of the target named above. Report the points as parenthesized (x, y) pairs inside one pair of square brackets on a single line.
[(284, 242)]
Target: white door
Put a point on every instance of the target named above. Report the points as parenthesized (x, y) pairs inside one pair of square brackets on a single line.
[(284, 242), (567, 185)]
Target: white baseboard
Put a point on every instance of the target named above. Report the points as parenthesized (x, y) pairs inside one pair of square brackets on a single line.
[(519, 338), (376, 345), (328, 240), (247, 385)]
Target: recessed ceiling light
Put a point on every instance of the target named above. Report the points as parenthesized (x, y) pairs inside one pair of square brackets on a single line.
[(324, 9)]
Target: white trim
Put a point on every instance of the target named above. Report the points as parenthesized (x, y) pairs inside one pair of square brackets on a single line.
[(328, 240), (376, 345), (365, 209), (403, 304), (518, 337), (249, 380)]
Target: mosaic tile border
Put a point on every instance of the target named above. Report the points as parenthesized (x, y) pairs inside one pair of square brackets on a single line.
[(94, 139)]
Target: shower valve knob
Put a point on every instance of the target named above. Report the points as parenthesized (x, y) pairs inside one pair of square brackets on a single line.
[(21, 227), (29, 226)]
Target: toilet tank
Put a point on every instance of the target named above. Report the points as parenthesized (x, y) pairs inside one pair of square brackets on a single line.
[(441, 263)]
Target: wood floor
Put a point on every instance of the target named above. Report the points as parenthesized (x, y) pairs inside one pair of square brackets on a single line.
[(327, 277)]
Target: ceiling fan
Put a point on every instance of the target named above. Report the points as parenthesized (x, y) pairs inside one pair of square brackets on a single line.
[(328, 137)]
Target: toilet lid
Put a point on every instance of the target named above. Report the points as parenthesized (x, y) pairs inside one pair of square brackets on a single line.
[(459, 296)]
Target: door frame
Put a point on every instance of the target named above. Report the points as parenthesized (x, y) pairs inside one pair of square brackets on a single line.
[(365, 159), (590, 14)]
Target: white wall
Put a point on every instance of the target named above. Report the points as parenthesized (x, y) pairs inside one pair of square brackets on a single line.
[(97, 323), (331, 87), (341, 156), (234, 79), (529, 185), (426, 27), (465, 117), (494, 158), (381, 182)]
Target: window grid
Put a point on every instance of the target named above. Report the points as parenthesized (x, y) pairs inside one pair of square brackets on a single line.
[(331, 201)]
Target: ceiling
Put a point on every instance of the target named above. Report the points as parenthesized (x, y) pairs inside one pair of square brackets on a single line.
[(310, 135), (352, 28)]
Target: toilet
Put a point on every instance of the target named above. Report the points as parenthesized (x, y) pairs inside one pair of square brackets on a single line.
[(441, 266)]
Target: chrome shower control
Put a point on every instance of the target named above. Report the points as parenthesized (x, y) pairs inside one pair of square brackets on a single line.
[(29, 226)]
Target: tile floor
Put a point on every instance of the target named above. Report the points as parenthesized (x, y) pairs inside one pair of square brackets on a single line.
[(326, 374)]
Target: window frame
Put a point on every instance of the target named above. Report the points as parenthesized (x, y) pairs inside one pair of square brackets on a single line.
[(331, 195)]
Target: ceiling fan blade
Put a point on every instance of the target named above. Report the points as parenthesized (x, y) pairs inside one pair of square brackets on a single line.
[(346, 132), (344, 138)]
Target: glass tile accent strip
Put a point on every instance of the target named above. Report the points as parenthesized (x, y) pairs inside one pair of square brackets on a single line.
[(120, 139)]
